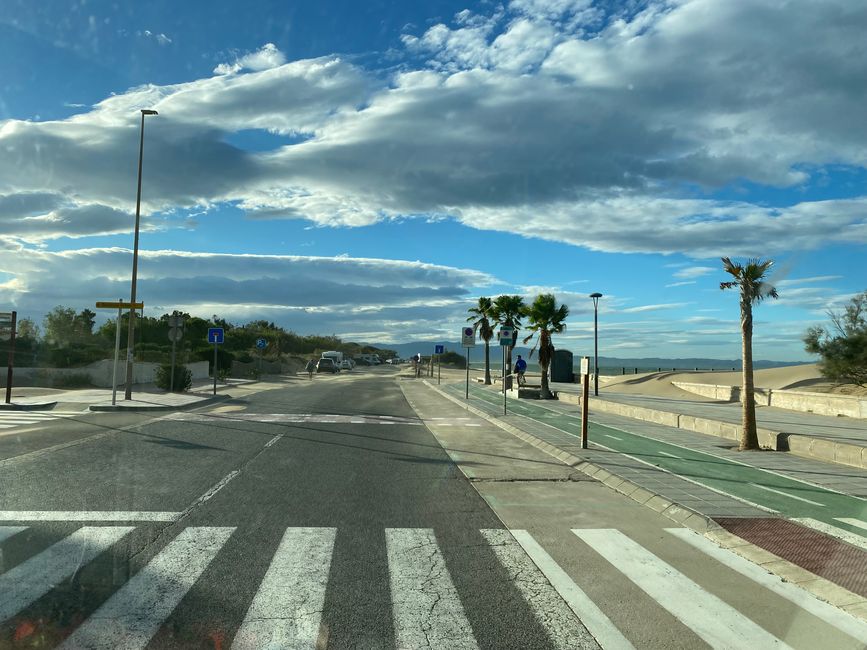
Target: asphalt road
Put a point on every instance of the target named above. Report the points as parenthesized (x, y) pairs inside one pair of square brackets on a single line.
[(353, 511)]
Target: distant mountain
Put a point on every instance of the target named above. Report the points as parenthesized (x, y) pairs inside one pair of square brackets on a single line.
[(477, 354)]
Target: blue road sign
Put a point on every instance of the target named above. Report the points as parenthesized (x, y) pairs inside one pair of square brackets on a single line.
[(439, 349), (261, 343), (215, 335)]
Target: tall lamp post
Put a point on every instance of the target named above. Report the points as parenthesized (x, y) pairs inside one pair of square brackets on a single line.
[(596, 296), (130, 341)]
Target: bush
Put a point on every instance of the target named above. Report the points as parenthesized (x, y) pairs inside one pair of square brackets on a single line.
[(843, 349), (453, 359), (183, 377)]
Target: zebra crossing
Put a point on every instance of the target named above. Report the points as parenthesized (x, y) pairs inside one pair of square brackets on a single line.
[(296, 418), (15, 419), (288, 608)]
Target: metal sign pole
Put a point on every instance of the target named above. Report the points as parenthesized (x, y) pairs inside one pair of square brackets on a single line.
[(11, 358), (116, 354), (172, 380), (439, 368), (505, 412), (468, 374), (585, 392), (215, 365)]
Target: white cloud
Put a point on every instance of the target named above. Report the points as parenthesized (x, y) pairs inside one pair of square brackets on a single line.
[(265, 58), (695, 271), (644, 308), (160, 38), (544, 118), (319, 294), (680, 284)]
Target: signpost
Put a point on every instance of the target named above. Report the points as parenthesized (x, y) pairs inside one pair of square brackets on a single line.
[(468, 340), (261, 344), (176, 333), (438, 350), (585, 393), (119, 305), (215, 336), (8, 323), (505, 336)]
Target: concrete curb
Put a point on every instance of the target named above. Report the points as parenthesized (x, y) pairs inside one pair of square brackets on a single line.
[(826, 451), (37, 406), (817, 586), (159, 407), (678, 513)]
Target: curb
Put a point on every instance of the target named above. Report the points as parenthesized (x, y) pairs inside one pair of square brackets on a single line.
[(798, 444), (159, 407), (819, 587), (38, 406), (678, 513)]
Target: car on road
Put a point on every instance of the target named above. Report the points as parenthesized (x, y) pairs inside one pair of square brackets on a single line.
[(346, 364), (327, 365)]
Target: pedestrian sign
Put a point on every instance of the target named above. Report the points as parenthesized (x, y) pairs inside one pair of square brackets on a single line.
[(506, 336), (215, 335), (261, 343), (468, 337), (439, 349)]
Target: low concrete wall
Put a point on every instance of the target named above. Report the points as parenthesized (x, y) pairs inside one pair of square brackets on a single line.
[(793, 400), (144, 372)]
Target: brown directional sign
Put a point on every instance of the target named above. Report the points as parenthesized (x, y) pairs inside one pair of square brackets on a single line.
[(118, 305)]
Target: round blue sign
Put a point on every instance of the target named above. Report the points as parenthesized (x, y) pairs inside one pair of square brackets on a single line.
[(261, 343)]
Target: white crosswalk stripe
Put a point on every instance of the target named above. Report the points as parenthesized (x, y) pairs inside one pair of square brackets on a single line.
[(426, 607), (564, 630), (15, 419), (35, 577), (135, 612), (719, 624), (295, 418), (287, 609)]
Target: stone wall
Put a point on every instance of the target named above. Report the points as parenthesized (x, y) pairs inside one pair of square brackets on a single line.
[(99, 373)]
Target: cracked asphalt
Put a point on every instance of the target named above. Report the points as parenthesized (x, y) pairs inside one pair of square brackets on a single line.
[(219, 471)]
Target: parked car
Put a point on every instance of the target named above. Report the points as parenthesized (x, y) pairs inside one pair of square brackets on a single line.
[(346, 364), (327, 365)]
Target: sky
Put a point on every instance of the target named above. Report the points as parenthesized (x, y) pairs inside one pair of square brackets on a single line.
[(370, 169)]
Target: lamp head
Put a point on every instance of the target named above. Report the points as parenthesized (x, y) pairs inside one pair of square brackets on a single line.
[(148, 111)]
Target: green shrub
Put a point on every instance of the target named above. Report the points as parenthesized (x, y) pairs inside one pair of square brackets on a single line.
[(183, 377), (453, 359)]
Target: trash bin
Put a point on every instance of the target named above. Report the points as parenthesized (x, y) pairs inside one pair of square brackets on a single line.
[(561, 367)]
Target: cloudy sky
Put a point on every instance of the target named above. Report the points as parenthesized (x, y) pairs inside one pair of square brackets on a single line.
[(369, 169)]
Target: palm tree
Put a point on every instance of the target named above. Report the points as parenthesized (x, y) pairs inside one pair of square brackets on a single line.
[(508, 312), (749, 279), (545, 318), (479, 317)]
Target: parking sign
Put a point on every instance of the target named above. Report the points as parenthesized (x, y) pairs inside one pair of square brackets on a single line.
[(468, 337)]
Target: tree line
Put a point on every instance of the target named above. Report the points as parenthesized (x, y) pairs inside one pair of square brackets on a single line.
[(68, 338)]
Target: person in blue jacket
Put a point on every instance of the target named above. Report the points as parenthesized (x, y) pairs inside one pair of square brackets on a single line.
[(520, 369)]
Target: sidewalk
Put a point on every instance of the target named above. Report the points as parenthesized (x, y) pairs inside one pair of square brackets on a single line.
[(796, 510), (146, 397), (829, 439)]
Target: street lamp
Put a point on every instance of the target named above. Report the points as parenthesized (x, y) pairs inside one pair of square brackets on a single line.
[(130, 342), (596, 296)]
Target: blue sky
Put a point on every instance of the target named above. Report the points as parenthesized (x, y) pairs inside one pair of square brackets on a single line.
[(370, 169)]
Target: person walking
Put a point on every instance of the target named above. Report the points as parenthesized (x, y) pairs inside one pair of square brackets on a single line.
[(520, 369), (310, 368)]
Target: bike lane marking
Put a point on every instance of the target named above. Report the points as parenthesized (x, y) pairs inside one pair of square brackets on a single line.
[(730, 477)]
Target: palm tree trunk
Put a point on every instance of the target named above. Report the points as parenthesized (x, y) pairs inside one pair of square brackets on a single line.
[(749, 435), (545, 392), (487, 363)]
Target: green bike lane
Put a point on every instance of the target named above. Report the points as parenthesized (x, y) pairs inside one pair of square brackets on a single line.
[(769, 490)]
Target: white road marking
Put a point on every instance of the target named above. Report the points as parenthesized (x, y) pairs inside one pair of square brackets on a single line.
[(835, 617), (273, 440), (786, 494), (853, 522), (665, 453), (540, 584), (608, 435), (34, 578), (295, 418), (426, 607), (87, 515), (8, 531), (719, 624), (287, 609), (135, 612), (852, 538)]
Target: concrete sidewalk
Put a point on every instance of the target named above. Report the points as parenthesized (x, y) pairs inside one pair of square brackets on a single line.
[(829, 439)]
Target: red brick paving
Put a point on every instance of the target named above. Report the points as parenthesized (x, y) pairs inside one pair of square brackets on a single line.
[(826, 556)]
